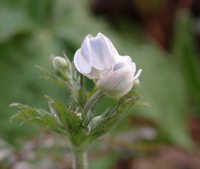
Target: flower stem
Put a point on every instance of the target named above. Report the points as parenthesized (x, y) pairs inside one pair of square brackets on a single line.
[(80, 161)]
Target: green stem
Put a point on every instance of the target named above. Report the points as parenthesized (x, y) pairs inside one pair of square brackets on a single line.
[(80, 161), (82, 83)]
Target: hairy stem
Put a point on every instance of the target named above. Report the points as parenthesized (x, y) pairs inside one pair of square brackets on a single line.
[(80, 161)]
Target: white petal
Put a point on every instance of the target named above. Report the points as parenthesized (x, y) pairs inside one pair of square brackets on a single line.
[(86, 49), (110, 45), (133, 68), (118, 66), (123, 61), (118, 83), (127, 58), (81, 63), (102, 57), (137, 74), (94, 74)]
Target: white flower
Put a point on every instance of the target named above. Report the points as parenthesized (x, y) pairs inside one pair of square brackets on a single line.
[(99, 60)]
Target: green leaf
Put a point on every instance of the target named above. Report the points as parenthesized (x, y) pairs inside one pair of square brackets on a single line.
[(38, 117), (69, 119)]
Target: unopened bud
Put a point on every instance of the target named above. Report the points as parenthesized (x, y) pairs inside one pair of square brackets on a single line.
[(61, 65), (136, 83)]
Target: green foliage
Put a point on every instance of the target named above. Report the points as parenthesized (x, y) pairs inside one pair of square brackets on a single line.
[(69, 119), (76, 122), (187, 57), (112, 115), (69, 84), (37, 117)]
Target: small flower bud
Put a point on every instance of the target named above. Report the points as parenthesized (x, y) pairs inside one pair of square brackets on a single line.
[(136, 83), (62, 66), (59, 63)]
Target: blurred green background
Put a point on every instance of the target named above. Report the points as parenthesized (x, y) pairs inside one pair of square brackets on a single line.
[(163, 39)]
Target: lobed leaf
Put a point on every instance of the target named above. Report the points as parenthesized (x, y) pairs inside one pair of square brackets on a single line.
[(68, 118), (37, 117)]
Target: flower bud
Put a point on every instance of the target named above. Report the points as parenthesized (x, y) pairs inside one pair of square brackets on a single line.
[(62, 66), (136, 83)]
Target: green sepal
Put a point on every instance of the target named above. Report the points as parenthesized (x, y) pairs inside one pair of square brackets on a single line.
[(87, 111)]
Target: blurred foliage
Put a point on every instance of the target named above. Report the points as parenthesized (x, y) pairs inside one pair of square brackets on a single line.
[(187, 57), (32, 30)]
